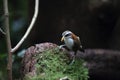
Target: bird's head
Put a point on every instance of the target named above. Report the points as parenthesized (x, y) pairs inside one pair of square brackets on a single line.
[(66, 35)]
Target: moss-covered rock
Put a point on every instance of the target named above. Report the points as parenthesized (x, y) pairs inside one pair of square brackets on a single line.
[(53, 64)]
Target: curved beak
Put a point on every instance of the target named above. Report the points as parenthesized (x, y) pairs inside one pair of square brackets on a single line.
[(62, 39)]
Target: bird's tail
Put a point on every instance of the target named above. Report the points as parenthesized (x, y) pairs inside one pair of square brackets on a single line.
[(81, 48)]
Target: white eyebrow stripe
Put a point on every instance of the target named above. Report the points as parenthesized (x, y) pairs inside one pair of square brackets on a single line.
[(66, 32)]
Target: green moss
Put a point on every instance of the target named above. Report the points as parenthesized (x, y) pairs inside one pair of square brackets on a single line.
[(53, 65)]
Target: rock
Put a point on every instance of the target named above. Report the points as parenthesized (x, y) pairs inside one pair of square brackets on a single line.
[(102, 64), (46, 61), (29, 60)]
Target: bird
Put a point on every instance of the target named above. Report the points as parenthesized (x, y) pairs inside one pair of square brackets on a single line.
[(72, 42)]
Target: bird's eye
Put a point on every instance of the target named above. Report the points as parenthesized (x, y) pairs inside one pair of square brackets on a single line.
[(67, 35)]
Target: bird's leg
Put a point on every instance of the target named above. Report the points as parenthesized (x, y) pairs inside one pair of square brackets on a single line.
[(61, 46), (73, 59)]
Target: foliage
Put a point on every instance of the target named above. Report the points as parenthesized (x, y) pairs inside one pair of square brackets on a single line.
[(53, 65)]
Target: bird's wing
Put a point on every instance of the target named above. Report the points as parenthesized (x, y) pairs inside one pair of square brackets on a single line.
[(81, 47), (79, 40)]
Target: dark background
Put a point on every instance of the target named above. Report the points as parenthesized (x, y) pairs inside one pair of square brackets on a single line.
[(95, 21)]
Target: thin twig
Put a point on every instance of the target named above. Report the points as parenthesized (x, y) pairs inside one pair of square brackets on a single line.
[(29, 28), (8, 41), (2, 32)]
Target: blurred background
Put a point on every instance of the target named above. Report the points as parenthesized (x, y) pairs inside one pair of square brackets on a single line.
[(95, 21)]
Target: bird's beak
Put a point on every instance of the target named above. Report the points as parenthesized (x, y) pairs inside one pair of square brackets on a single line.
[(62, 39)]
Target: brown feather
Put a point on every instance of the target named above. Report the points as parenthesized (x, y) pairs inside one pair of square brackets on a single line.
[(77, 43)]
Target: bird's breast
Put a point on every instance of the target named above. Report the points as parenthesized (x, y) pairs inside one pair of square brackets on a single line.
[(69, 43)]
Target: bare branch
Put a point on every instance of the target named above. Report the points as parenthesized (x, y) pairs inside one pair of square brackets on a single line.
[(29, 28), (8, 41), (2, 32)]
